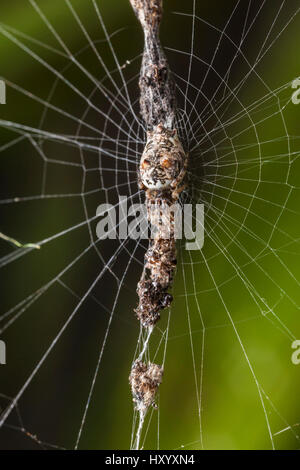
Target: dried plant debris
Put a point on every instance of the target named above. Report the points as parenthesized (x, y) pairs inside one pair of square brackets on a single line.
[(144, 381), (153, 298), (161, 175), (162, 167), (157, 86), (158, 274)]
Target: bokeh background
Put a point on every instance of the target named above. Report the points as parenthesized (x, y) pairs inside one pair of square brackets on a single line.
[(226, 296)]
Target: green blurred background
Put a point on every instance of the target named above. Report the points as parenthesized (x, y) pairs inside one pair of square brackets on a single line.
[(226, 305)]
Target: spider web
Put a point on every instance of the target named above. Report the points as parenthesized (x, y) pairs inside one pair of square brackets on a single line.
[(72, 141)]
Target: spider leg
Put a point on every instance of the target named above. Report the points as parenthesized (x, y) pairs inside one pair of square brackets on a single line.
[(140, 183), (177, 191), (177, 185)]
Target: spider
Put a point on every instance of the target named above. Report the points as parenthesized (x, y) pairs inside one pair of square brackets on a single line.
[(162, 171), (163, 164)]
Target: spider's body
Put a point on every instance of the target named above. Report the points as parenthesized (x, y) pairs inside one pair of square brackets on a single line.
[(162, 171), (163, 163)]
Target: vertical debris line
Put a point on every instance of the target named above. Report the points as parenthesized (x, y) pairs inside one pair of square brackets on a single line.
[(157, 86), (161, 175)]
